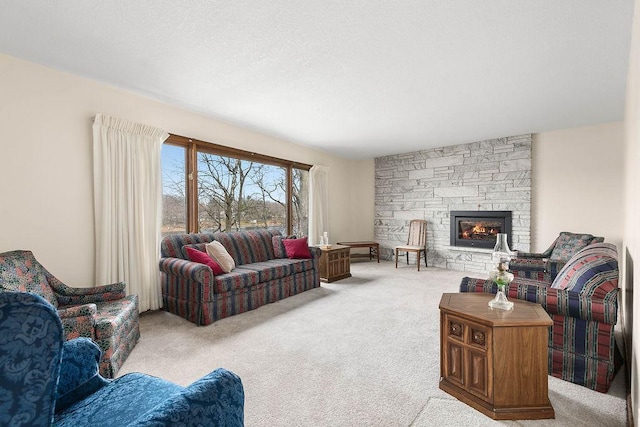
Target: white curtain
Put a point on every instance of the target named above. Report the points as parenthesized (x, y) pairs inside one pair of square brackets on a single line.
[(318, 203), (127, 184)]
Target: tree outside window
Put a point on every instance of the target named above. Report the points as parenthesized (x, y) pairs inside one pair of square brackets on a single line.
[(232, 193)]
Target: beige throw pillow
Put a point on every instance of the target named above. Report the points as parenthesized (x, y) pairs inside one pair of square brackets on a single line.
[(221, 256)]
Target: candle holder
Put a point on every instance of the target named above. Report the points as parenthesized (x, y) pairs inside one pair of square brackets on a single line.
[(324, 241)]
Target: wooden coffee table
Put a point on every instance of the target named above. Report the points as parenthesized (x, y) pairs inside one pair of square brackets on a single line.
[(374, 248), (494, 360)]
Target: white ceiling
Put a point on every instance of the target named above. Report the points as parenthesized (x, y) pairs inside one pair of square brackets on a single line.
[(360, 78)]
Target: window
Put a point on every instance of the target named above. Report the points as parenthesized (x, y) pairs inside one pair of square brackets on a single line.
[(210, 188), (174, 200), (300, 202)]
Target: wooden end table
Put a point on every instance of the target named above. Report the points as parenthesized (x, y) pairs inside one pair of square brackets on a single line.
[(374, 248), (495, 360), (334, 263)]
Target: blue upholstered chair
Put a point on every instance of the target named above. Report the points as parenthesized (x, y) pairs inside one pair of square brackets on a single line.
[(46, 381)]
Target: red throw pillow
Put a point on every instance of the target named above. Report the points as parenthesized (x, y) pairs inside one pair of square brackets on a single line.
[(202, 258), (297, 248)]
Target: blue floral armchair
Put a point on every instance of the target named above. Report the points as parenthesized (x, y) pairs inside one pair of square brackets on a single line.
[(46, 381)]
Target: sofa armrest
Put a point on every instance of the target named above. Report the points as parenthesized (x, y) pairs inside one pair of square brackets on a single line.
[(533, 255), (529, 268), (79, 372), (217, 399), (78, 320), (583, 305), (540, 269), (186, 269), (546, 254), (67, 295), (84, 310), (315, 251)]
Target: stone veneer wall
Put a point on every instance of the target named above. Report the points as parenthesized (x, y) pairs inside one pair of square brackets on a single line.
[(487, 175)]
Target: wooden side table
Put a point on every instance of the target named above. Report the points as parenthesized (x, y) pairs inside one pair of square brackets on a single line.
[(495, 360), (334, 263)]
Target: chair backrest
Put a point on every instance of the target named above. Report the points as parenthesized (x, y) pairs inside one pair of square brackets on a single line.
[(30, 351), (21, 272), (417, 233)]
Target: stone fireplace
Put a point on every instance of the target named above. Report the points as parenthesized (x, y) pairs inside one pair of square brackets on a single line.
[(489, 175), (478, 229)]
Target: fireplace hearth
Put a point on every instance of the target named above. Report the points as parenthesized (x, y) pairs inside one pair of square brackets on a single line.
[(478, 229)]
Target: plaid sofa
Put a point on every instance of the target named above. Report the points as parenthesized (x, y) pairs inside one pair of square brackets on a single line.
[(263, 275), (530, 265), (105, 314), (582, 301)]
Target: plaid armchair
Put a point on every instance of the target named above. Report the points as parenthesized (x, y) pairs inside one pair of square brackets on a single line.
[(582, 301), (104, 314), (530, 265)]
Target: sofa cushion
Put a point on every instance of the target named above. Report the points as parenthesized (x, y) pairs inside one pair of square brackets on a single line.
[(119, 403), (247, 247), (198, 256), (568, 244), (237, 279), (278, 268), (297, 248), (593, 266), (278, 247), (221, 256), (171, 245)]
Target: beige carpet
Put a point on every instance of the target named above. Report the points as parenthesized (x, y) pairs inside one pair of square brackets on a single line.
[(362, 351)]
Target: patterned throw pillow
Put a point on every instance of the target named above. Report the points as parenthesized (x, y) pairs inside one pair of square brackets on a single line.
[(592, 266), (568, 245), (221, 256)]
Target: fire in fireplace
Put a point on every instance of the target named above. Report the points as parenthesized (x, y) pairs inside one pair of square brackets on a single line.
[(479, 228)]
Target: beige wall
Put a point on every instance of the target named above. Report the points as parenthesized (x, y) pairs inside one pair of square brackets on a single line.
[(577, 183), (46, 163), (630, 255)]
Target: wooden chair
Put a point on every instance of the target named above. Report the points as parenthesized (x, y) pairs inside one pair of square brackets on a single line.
[(417, 241)]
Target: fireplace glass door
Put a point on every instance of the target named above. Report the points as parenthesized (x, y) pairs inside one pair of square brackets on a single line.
[(479, 228)]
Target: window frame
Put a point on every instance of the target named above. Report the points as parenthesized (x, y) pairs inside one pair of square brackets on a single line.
[(194, 146)]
